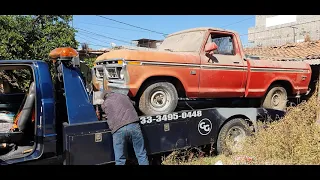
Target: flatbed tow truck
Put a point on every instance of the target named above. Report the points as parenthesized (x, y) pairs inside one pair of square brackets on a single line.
[(67, 129)]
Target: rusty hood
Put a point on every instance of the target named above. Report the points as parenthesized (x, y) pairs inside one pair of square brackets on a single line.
[(151, 56)]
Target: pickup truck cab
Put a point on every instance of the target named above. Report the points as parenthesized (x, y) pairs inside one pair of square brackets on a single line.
[(200, 63)]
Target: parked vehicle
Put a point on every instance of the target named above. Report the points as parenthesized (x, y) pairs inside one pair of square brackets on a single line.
[(200, 63)]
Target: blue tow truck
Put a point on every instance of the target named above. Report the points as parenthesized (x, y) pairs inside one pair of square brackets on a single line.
[(57, 123)]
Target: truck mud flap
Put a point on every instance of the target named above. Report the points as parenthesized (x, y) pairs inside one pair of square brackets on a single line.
[(87, 144)]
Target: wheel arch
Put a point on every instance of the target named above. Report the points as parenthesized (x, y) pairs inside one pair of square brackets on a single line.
[(164, 78), (252, 122), (286, 84)]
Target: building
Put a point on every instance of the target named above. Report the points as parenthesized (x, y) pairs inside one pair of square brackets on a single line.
[(90, 53), (277, 30), (147, 43)]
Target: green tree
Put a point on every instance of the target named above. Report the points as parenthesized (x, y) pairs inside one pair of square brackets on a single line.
[(33, 37)]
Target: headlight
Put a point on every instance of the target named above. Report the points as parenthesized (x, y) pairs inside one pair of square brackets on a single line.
[(122, 74)]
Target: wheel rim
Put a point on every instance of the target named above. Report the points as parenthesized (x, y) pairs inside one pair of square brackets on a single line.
[(235, 137), (160, 100), (277, 98)]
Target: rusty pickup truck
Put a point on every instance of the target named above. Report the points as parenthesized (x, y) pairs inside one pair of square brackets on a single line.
[(199, 63)]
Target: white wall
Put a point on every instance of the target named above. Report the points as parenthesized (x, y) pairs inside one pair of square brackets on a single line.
[(280, 19)]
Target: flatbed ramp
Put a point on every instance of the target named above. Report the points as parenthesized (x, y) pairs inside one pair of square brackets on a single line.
[(162, 133)]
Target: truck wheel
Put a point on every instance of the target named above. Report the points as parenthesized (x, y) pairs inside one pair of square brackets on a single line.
[(232, 135), (158, 98), (276, 98)]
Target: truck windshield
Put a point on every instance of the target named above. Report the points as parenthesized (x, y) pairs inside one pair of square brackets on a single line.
[(184, 42)]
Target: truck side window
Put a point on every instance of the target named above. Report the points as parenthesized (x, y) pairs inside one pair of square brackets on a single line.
[(14, 81), (4, 84), (224, 43)]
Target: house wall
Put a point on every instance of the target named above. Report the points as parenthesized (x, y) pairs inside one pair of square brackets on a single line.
[(275, 30)]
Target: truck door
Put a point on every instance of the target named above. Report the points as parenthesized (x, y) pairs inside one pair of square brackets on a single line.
[(223, 73), (87, 143)]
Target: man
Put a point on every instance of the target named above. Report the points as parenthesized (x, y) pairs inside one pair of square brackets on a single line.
[(123, 121)]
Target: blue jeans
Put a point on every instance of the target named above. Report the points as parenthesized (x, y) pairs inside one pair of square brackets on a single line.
[(131, 132)]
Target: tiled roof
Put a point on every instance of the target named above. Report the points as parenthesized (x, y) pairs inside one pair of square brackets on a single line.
[(303, 50)]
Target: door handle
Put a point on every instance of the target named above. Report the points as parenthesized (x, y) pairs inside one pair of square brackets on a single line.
[(236, 62)]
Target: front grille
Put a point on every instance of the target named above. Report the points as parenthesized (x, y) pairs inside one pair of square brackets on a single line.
[(112, 67), (113, 72), (99, 73)]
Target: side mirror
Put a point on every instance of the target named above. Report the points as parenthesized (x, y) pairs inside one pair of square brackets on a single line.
[(210, 47)]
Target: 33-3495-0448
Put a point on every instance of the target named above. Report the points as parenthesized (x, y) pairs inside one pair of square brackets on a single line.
[(169, 117)]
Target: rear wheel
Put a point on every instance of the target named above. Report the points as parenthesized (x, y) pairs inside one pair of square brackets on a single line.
[(158, 98), (276, 98), (231, 136)]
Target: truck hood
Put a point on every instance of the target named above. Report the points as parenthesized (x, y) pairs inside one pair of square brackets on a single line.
[(151, 55)]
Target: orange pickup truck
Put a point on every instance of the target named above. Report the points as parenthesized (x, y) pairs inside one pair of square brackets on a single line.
[(200, 63)]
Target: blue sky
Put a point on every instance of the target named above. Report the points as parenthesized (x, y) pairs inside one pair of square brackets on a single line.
[(99, 32)]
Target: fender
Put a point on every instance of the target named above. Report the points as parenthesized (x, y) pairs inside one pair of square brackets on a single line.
[(264, 89), (140, 73)]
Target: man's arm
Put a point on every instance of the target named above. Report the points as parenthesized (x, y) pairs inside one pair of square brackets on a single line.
[(103, 108)]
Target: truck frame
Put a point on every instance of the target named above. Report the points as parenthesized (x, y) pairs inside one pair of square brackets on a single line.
[(68, 131)]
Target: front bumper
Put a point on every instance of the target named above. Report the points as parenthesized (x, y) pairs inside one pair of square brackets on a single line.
[(118, 87), (114, 87)]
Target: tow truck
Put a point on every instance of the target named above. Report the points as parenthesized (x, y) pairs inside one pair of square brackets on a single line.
[(57, 122)]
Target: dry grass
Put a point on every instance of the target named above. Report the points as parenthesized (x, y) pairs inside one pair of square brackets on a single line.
[(293, 140), (199, 161)]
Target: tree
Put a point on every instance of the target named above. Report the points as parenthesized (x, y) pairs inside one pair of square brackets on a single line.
[(34, 36)]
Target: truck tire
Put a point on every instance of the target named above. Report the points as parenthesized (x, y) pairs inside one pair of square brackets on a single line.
[(158, 98), (234, 131), (276, 98)]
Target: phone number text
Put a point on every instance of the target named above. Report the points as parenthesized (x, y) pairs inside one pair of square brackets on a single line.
[(169, 117)]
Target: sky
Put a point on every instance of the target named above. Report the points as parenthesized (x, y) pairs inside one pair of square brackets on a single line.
[(100, 32)]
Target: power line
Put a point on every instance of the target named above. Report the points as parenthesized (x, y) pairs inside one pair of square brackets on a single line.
[(109, 34), (93, 38), (112, 27), (132, 25), (97, 34), (85, 35), (104, 36), (89, 42), (95, 45), (238, 22)]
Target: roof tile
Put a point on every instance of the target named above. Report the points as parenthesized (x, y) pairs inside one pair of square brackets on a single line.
[(303, 50)]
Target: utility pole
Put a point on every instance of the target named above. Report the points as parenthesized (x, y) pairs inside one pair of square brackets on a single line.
[(294, 33)]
